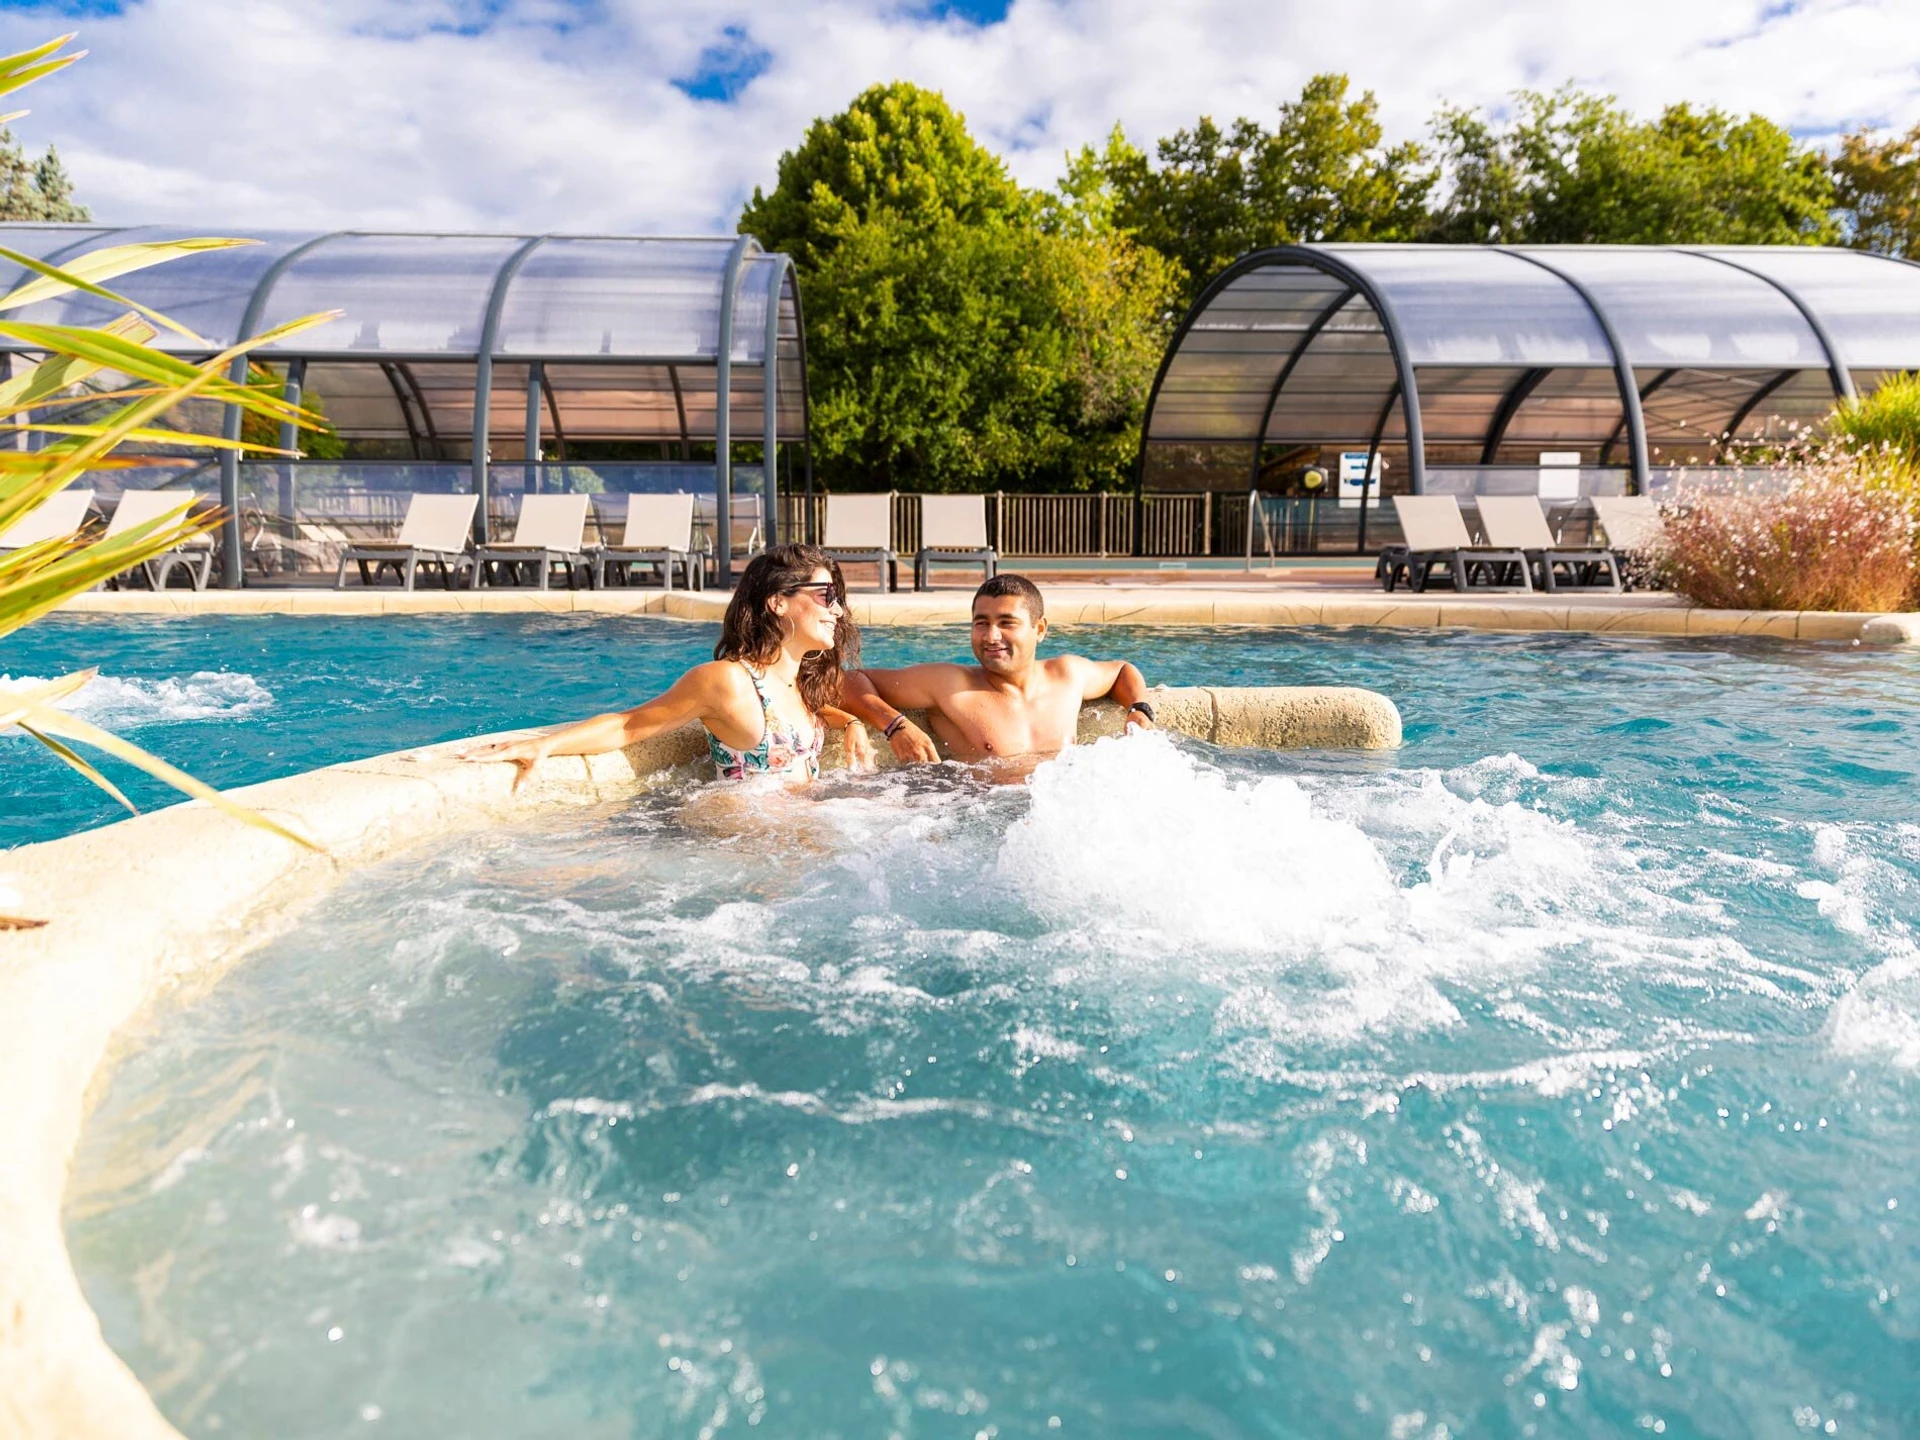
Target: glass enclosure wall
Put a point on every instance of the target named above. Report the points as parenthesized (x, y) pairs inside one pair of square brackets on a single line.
[(1326, 376), (498, 364)]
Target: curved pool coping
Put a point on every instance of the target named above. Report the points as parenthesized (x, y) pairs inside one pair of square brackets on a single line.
[(138, 908), (1639, 613)]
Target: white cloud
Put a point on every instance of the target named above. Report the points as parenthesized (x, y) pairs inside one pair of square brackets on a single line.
[(553, 115)]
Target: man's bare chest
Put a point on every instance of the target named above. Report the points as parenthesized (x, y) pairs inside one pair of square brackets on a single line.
[(992, 723)]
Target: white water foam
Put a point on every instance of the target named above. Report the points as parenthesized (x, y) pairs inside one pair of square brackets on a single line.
[(1158, 858), (118, 704), (1879, 1018)]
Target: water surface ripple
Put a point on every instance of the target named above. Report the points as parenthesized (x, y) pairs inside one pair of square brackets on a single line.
[(1553, 1076)]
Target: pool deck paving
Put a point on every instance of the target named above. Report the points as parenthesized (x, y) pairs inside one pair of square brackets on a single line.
[(1325, 597)]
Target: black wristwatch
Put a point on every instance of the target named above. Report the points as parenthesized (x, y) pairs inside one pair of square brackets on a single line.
[(1144, 708)]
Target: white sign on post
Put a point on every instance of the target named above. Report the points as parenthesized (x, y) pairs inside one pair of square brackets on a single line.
[(1559, 474), (1354, 480)]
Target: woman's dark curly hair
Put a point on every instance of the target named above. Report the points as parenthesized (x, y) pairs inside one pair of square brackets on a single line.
[(753, 633)]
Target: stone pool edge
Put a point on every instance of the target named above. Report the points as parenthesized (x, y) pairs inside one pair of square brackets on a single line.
[(178, 896), (137, 907), (1074, 605)]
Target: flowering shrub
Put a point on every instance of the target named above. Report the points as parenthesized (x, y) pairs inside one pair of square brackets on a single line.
[(1832, 538)]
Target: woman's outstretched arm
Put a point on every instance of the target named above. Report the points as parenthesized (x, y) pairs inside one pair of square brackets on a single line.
[(703, 691)]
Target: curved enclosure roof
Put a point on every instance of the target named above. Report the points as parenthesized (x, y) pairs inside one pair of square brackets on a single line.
[(1480, 356), (627, 327)]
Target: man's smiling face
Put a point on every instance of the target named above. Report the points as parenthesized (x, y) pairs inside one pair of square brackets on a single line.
[(1005, 636)]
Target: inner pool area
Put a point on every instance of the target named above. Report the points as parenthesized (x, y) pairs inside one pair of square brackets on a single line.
[(1552, 1075)]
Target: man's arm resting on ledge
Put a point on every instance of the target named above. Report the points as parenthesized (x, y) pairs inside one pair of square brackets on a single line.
[(860, 695), (1120, 682)]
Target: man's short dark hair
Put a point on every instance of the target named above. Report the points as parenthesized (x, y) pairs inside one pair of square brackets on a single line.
[(1018, 586)]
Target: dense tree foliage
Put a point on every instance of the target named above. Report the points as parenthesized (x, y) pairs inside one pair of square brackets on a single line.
[(1321, 173), (1877, 184), (967, 333), (35, 189), (1577, 169), (962, 332)]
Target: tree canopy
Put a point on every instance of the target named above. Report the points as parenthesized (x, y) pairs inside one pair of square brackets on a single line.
[(962, 333), (966, 333), (1574, 169), (35, 189), (1877, 185)]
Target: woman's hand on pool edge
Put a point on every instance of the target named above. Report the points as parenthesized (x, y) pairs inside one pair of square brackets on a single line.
[(523, 754)]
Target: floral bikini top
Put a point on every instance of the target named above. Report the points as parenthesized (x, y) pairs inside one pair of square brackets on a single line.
[(781, 751)]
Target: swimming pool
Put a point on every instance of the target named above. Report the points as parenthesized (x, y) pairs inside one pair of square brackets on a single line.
[(1553, 1076)]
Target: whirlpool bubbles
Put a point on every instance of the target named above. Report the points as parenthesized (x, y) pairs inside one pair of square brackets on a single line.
[(1177, 1092)]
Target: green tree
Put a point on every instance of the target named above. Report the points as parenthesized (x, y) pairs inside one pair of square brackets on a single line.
[(35, 189), (1322, 173), (1574, 168), (962, 333), (1877, 192), (896, 149)]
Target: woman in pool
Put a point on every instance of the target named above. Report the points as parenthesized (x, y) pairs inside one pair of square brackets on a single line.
[(768, 696)]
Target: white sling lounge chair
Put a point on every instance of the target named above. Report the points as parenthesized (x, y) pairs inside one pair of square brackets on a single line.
[(434, 533), (1517, 522), (747, 532), (551, 531), (953, 528), (193, 558), (658, 531), (860, 528), (55, 518), (1633, 527), (1436, 535)]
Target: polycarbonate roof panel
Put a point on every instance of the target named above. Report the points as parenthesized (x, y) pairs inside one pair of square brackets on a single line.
[(1457, 305), (206, 291), (1672, 308), (399, 294), (1869, 304), (629, 298), (1217, 382)]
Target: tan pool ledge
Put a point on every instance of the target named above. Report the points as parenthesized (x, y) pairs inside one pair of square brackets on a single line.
[(1288, 606), (174, 898)]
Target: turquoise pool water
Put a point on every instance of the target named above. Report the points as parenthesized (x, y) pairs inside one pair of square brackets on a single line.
[(1553, 1076)]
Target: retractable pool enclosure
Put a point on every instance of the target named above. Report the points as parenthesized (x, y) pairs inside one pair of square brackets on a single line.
[(500, 363), (1579, 370)]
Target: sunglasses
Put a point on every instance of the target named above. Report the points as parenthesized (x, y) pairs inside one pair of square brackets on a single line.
[(825, 594)]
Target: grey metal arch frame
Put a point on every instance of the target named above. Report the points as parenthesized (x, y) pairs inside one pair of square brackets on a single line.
[(723, 412), (483, 378), (230, 541), (1320, 322), (770, 403), (1359, 284), (1622, 367), (1836, 367)]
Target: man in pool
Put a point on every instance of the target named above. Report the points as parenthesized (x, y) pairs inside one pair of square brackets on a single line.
[(1010, 707)]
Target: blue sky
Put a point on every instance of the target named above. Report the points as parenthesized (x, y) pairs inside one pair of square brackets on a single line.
[(664, 114)]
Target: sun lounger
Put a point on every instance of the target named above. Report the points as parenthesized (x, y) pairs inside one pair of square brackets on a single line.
[(56, 518), (551, 531), (435, 533), (274, 544), (1436, 536), (1632, 524), (860, 529), (658, 531), (744, 520), (953, 528), (1517, 522), (194, 558)]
